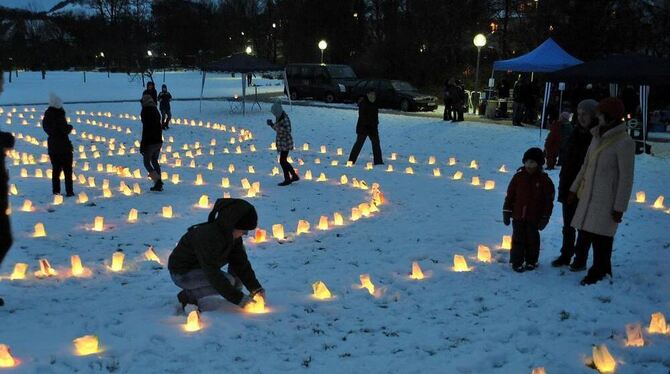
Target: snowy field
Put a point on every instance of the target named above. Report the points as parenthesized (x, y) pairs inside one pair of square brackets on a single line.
[(486, 320), (30, 88)]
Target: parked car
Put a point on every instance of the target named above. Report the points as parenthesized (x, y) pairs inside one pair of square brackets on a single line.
[(394, 94), (325, 82)]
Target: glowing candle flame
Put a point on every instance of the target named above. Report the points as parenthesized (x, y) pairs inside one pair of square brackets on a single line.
[(193, 322), (483, 253), (175, 179), (86, 345), (367, 283), (412, 159), (459, 264), (417, 273), (474, 164), (231, 168), (117, 261), (225, 182), (320, 291)]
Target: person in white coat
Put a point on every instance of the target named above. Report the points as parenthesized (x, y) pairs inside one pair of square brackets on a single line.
[(603, 186)]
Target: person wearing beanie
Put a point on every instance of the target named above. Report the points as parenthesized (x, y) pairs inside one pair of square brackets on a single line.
[(195, 263), (6, 143), (164, 99), (367, 127), (283, 141), (575, 151), (54, 123), (603, 186), (528, 206), (151, 91), (558, 131), (152, 141)]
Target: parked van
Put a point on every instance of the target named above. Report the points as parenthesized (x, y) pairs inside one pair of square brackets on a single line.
[(325, 82)]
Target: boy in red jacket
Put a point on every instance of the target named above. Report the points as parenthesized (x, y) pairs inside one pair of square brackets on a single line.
[(528, 205)]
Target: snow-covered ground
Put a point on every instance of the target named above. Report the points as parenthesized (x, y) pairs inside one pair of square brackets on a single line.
[(30, 88), (488, 320)]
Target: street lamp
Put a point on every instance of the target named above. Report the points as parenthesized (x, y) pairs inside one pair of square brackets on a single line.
[(248, 50), (479, 41), (322, 46), (149, 53)]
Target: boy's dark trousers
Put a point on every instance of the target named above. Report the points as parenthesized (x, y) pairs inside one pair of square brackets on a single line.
[(525, 243)]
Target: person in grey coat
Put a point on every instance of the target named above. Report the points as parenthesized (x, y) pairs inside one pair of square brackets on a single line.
[(284, 142), (603, 186)]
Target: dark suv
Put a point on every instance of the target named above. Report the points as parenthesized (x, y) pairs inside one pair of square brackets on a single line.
[(394, 94), (329, 83)]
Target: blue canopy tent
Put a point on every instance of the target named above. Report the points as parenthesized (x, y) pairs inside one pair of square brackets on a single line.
[(547, 57)]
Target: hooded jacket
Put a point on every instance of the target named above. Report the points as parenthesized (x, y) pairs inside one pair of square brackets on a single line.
[(152, 130), (210, 245), (55, 125), (368, 118)]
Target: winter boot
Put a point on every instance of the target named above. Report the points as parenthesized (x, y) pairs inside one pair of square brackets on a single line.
[(530, 267), (577, 266), (518, 268), (284, 183), (560, 261), (295, 178), (158, 186), (2, 301)]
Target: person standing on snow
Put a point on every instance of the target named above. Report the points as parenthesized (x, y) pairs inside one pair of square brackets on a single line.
[(284, 142), (6, 143), (448, 99), (60, 148), (164, 99), (603, 186), (152, 141), (195, 263), (151, 91), (367, 127), (552, 144), (528, 205), (575, 151)]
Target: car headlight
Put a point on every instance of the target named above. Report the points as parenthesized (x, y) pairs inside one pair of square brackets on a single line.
[(342, 87)]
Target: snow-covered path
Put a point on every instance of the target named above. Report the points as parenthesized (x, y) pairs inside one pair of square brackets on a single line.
[(486, 320)]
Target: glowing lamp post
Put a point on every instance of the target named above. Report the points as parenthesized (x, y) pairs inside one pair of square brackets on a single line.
[(479, 41), (322, 46), (248, 50)]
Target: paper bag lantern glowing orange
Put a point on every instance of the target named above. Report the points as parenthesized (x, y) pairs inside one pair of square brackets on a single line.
[(6, 358), (409, 170), (459, 264), (323, 223), (99, 224), (658, 325), (76, 266), (117, 261), (394, 156), (86, 345), (45, 269), (640, 197), (475, 181), (344, 179), (303, 227), (261, 236), (278, 231), (132, 215), (634, 335), (367, 283), (167, 211), (474, 164), (245, 184), (417, 273), (175, 178), (483, 253), (322, 178), (193, 322), (538, 371), (355, 214), (431, 160), (364, 208), (457, 175), (251, 169), (256, 186), (338, 220), (198, 180), (437, 172), (203, 202), (231, 168), (603, 360), (489, 185), (320, 291), (82, 198), (658, 204), (305, 147), (412, 159), (19, 271), (27, 206), (503, 169), (150, 255), (506, 242), (389, 169), (257, 306), (452, 161), (106, 193), (275, 171), (340, 151), (323, 149), (39, 232)]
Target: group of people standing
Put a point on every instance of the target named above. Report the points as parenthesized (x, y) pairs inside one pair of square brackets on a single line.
[(595, 185), (455, 100), (525, 96)]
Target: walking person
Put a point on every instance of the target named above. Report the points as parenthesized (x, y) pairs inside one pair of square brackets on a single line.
[(528, 206), (152, 140), (603, 186), (576, 147), (284, 142), (195, 263), (448, 99), (367, 127), (60, 147), (6, 143), (164, 99)]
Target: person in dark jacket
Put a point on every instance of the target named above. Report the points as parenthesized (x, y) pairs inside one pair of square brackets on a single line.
[(152, 141), (576, 148), (552, 144), (459, 100), (528, 204), (55, 125), (6, 143), (195, 263), (151, 91), (164, 99), (448, 99), (284, 142), (367, 127)]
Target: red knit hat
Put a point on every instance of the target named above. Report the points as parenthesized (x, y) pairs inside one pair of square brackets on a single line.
[(612, 108)]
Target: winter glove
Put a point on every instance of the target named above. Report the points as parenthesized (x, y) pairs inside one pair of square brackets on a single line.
[(543, 223), (269, 122), (617, 216), (507, 217), (572, 198), (246, 300), (259, 291)]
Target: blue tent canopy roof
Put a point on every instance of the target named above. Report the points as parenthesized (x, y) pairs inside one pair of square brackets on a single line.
[(547, 57)]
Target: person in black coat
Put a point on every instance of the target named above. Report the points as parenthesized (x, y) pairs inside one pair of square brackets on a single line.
[(367, 127), (152, 140), (151, 91), (6, 143), (575, 152), (55, 125), (164, 99), (448, 99), (458, 101)]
